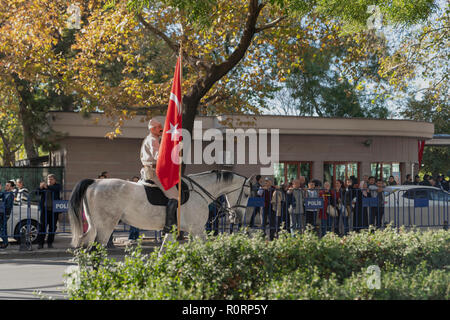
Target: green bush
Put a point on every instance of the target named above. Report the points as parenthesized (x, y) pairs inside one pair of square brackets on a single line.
[(413, 265)]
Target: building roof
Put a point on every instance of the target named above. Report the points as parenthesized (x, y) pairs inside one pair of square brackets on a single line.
[(97, 125), (439, 140)]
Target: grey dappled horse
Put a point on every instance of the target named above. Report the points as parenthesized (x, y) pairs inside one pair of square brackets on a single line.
[(107, 201)]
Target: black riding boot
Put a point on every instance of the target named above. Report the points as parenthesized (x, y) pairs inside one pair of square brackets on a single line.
[(171, 215)]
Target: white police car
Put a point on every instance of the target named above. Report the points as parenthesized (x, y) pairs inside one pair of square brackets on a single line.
[(415, 205), (24, 219)]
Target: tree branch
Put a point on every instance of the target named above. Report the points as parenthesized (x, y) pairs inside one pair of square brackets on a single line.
[(172, 45), (270, 24), (254, 9), (195, 62), (145, 109)]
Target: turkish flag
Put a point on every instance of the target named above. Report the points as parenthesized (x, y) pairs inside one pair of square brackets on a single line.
[(421, 145), (168, 164)]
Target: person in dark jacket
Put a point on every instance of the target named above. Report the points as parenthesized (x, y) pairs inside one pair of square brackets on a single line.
[(337, 201), (348, 194), (426, 181), (7, 197), (378, 211), (48, 192), (444, 183), (409, 181), (266, 192), (391, 181), (416, 180), (254, 191), (360, 217)]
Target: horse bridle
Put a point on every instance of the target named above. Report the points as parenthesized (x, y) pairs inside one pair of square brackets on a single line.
[(214, 200), (238, 205)]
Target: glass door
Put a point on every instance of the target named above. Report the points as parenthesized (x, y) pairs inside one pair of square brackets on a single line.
[(287, 171), (328, 173), (292, 172), (384, 170), (278, 174), (305, 170), (341, 172), (352, 169), (333, 171)]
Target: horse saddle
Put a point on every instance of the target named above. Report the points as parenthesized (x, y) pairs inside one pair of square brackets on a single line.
[(157, 197)]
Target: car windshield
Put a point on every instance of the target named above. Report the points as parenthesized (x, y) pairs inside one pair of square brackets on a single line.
[(389, 190), (439, 195)]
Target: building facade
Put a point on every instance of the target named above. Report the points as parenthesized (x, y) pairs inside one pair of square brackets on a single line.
[(317, 148)]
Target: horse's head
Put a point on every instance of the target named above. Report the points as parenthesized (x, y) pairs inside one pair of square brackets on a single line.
[(238, 198), (234, 186)]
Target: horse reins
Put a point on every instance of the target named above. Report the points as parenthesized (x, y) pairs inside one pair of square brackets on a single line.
[(214, 200)]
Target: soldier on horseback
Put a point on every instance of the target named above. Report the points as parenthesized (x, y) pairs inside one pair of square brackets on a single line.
[(149, 157)]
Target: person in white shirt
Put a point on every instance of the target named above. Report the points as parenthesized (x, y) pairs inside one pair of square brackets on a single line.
[(149, 157), (21, 193)]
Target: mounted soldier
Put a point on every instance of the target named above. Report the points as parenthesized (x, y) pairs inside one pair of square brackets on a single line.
[(149, 157)]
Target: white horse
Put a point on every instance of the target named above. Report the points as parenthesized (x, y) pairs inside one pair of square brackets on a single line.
[(107, 201)]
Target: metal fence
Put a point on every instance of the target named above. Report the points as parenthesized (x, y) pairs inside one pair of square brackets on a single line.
[(337, 211), (31, 176), (323, 210), (40, 216)]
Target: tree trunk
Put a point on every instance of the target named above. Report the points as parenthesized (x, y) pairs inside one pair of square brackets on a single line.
[(8, 158), (191, 99), (25, 115)]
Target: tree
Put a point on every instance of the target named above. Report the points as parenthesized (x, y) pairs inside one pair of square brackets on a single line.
[(329, 83), (230, 49), (10, 131), (226, 44), (417, 65), (34, 45), (436, 160)]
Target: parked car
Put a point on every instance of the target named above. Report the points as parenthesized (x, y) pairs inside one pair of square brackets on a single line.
[(420, 206), (19, 219)]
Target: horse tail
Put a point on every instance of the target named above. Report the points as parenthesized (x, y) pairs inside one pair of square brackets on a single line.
[(75, 206)]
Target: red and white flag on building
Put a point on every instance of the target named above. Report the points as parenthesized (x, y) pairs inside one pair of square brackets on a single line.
[(168, 164), (421, 145)]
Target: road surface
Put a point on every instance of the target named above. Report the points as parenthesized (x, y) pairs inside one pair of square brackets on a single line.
[(37, 278)]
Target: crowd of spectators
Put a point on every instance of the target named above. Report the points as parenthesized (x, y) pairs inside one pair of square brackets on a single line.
[(342, 211), (15, 193), (437, 181), (284, 204)]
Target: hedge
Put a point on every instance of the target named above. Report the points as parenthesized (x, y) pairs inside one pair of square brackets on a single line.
[(413, 265)]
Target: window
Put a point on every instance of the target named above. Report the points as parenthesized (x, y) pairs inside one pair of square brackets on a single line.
[(416, 194), (439, 196), (278, 172), (287, 171), (383, 170), (333, 171)]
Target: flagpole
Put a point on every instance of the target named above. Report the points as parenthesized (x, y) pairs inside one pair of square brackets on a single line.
[(181, 142)]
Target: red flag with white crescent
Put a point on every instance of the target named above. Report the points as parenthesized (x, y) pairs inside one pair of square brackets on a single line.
[(168, 164)]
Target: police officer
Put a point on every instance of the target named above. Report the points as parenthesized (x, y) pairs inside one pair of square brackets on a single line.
[(149, 156)]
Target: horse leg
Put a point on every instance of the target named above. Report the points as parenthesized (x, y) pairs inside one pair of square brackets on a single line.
[(109, 220), (88, 237)]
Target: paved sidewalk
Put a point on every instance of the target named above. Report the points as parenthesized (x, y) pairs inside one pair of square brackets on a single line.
[(61, 247)]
